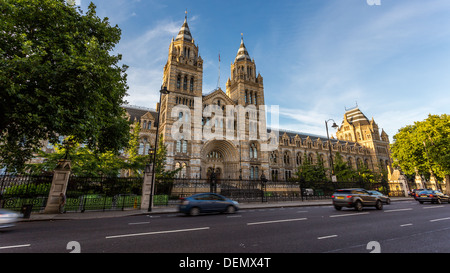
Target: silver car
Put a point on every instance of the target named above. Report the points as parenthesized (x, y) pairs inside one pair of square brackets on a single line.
[(355, 198), (383, 197), (8, 218)]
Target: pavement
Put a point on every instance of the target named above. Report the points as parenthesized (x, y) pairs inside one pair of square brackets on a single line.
[(174, 209)]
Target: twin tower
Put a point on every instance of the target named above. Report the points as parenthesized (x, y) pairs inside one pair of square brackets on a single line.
[(183, 76)]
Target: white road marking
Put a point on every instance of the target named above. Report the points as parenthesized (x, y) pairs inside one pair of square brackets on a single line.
[(15, 246), (395, 210), (352, 214), (440, 219), (326, 237), (406, 225), (139, 223), (276, 221), (433, 207), (155, 232)]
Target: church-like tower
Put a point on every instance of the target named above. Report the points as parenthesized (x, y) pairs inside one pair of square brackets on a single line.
[(244, 87), (183, 76)]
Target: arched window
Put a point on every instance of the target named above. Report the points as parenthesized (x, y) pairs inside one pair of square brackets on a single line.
[(191, 86), (178, 81), (253, 151), (185, 83)]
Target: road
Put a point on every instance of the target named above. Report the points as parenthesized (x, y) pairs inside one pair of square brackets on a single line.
[(402, 227)]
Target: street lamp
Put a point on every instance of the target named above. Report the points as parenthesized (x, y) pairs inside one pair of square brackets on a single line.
[(329, 145), (165, 92)]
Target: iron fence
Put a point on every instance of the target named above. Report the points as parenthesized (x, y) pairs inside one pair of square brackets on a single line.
[(169, 191), (17, 191), (103, 193)]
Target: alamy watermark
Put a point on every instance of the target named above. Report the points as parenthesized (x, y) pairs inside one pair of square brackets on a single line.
[(226, 122), (373, 2)]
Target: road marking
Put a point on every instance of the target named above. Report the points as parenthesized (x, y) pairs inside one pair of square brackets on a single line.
[(433, 207), (326, 237), (16, 246), (406, 225), (352, 214), (441, 219), (276, 221), (139, 223), (300, 211), (395, 210), (155, 232), (234, 216)]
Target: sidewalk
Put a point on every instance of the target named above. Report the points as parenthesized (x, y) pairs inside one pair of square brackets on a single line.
[(174, 209)]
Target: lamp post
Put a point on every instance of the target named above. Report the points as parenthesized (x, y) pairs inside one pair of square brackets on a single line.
[(329, 145), (165, 92)]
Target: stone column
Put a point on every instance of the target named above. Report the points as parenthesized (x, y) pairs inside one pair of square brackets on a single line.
[(61, 176), (147, 187)]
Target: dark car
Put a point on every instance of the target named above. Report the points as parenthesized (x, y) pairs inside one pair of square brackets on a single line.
[(415, 192), (384, 198), (432, 196), (355, 198), (207, 202)]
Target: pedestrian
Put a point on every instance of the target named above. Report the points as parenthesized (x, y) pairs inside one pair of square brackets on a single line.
[(62, 202)]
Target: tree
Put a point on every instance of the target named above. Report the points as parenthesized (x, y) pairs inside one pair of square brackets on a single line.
[(57, 77), (424, 146), (311, 173), (342, 170)]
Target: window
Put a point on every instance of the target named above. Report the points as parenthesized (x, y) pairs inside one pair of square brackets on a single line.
[(178, 81), (191, 86), (185, 83), (253, 151)]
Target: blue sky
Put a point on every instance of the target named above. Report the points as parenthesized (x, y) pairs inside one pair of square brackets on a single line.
[(317, 57)]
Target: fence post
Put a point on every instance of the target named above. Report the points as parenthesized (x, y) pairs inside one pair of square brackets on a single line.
[(60, 179), (147, 188)]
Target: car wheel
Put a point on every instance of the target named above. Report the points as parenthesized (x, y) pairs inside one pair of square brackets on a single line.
[(421, 202), (231, 209), (337, 208), (388, 201), (194, 211), (438, 201), (358, 206), (379, 205)]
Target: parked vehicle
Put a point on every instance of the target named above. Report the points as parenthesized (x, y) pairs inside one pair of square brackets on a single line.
[(432, 196), (207, 202), (8, 218), (355, 198), (384, 198)]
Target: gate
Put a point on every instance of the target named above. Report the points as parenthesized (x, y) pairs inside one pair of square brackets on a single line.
[(103, 193), (19, 190)]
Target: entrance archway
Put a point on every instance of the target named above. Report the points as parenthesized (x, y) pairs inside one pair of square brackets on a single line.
[(222, 156)]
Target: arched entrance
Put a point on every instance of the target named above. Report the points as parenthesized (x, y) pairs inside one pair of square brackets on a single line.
[(222, 157)]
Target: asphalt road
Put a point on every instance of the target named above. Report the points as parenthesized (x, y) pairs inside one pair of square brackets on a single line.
[(402, 227)]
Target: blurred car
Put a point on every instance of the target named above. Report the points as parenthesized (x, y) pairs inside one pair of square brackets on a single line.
[(432, 196), (415, 192), (384, 198), (8, 218), (355, 198), (207, 202)]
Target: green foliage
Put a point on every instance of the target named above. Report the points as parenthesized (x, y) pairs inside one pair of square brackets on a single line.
[(424, 146), (309, 172), (57, 77)]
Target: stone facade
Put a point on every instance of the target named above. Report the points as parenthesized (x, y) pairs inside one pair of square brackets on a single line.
[(234, 153)]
